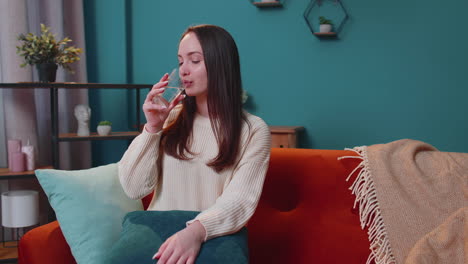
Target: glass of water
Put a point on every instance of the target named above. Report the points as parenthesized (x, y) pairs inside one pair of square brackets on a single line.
[(173, 89)]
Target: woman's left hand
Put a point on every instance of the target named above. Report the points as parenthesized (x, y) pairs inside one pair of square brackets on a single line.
[(183, 246)]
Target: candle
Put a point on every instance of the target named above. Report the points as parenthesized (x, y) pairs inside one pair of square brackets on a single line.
[(18, 162), (28, 151), (14, 146)]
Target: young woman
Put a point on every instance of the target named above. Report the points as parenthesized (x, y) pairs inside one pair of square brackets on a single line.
[(205, 154)]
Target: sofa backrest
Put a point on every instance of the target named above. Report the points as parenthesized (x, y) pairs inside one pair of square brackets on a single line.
[(305, 212)]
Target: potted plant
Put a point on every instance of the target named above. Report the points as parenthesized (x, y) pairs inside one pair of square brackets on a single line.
[(325, 24), (47, 53), (104, 128)]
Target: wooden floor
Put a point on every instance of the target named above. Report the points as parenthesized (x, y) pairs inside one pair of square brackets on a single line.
[(9, 253)]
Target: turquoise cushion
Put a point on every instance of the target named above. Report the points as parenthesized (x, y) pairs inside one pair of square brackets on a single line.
[(90, 206), (144, 232)]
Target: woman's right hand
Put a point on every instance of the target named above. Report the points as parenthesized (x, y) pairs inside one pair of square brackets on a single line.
[(156, 114)]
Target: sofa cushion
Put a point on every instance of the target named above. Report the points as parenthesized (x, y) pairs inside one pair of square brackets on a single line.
[(89, 205), (145, 231)]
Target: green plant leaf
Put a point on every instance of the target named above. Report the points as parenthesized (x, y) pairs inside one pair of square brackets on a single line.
[(45, 48), (105, 123)]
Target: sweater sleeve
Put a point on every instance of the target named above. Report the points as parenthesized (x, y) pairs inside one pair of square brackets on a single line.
[(138, 172), (239, 199), (138, 168)]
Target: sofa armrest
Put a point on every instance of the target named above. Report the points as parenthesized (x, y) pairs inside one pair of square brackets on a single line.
[(44, 245)]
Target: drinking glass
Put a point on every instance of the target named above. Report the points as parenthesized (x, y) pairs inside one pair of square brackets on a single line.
[(173, 89)]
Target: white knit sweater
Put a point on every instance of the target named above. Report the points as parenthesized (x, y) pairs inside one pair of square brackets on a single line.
[(226, 200)]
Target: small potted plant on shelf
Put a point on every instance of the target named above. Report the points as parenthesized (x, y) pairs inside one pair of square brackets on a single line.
[(325, 24), (47, 53), (104, 128)]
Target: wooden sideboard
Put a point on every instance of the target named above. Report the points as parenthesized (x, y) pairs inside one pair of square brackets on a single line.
[(285, 136)]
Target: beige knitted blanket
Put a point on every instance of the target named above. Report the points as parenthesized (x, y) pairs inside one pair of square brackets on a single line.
[(413, 200)]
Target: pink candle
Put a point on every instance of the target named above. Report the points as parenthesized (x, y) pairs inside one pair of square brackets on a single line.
[(14, 145), (18, 162)]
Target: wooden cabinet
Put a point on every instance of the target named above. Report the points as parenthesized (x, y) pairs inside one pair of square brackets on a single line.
[(285, 136)]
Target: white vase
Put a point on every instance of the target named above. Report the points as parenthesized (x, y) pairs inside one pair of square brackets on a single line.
[(104, 130), (325, 28)]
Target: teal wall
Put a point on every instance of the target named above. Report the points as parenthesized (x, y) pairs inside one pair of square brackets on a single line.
[(398, 69)]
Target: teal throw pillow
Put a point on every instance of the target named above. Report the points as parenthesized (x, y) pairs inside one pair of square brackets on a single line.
[(90, 206), (145, 231)]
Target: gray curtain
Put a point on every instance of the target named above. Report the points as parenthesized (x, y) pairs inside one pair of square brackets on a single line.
[(27, 111)]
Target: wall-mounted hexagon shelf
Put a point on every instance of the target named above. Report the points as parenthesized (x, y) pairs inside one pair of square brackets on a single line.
[(320, 12), (267, 3)]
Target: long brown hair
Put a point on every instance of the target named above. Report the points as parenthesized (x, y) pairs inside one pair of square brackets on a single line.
[(224, 100)]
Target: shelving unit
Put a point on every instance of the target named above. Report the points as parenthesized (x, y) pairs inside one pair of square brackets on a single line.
[(54, 87), (325, 34), (6, 174), (340, 14), (95, 136), (261, 4)]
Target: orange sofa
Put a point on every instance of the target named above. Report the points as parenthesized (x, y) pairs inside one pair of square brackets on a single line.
[(305, 215)]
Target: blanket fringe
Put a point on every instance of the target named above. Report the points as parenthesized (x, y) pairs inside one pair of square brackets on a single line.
[(369, 210)]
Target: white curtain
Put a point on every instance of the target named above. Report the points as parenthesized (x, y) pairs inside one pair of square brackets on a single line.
[(27, 111)]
